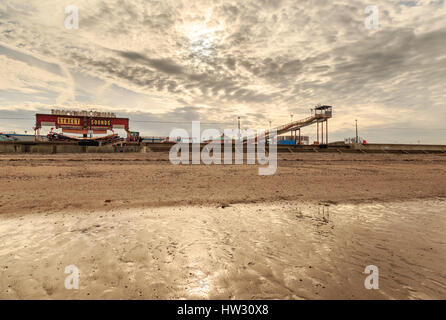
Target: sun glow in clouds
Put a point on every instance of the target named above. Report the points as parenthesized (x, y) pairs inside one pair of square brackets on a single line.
[(201, 39), (204, 36)]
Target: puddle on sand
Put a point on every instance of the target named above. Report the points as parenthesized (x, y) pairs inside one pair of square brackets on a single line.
[(199, 285), (405, 240), (285, 250)]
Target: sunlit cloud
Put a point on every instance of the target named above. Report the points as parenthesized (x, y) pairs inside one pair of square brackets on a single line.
[(214, 61)]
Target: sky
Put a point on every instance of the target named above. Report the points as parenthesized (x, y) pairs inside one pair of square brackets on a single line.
[(166, 63)]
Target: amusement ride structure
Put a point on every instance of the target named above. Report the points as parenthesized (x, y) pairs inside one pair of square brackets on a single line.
[(88, 123), (84, 123), (320, 116)]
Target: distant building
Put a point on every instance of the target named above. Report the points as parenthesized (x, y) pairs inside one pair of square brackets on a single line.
[(353, 140), (16, 137), (289, 140)]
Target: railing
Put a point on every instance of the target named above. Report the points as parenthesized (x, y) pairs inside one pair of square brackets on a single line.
[(295, 124), (292, 125)]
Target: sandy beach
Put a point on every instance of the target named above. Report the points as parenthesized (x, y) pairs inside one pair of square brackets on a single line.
[(138, 227), (51, 183), (284, 250)]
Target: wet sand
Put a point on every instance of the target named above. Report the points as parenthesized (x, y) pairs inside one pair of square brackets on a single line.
[(138, 227), (286, 250)]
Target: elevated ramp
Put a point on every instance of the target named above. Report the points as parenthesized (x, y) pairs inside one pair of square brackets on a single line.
[(321, 114)]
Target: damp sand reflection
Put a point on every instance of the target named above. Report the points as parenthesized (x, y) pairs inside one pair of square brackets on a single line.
[(286, 250)]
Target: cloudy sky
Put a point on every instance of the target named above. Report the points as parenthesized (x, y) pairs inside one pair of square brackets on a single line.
[(165, 63)]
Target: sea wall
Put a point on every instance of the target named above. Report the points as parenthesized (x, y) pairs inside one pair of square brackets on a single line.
[(47, 148)]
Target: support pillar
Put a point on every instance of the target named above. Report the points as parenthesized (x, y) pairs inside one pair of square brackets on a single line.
[(326, 131), (36, 134), (322, 131), (128, 135), (300, 140), (317, 139)]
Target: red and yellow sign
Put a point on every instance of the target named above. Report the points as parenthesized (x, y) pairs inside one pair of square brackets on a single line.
[(100, 122), (68, 121)]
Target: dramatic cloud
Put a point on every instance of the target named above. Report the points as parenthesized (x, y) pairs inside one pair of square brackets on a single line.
[(177, 61)]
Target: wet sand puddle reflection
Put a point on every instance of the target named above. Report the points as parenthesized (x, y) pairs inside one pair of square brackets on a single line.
[(284, 250)]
